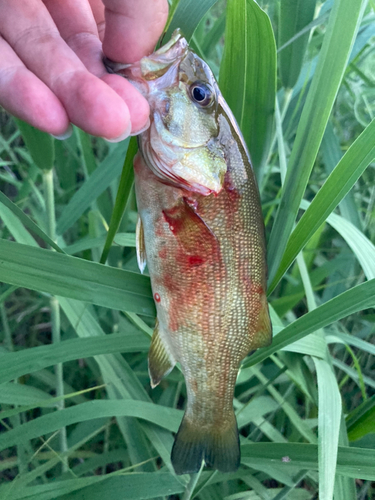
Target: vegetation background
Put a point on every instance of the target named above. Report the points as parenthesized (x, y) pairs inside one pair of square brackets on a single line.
[(78, 418)]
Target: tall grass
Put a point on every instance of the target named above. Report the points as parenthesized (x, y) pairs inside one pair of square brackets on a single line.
[(79, 420)]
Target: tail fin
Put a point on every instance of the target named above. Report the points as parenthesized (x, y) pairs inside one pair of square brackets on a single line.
[(218, 447)]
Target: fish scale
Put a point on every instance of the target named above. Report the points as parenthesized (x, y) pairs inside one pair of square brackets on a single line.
[(202, 235)]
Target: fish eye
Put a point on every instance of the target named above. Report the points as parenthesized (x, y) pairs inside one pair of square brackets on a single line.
[(201, 94)]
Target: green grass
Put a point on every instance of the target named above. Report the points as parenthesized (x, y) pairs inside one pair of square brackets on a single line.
[(78, 417)]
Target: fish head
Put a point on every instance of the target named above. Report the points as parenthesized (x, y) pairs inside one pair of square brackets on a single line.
[(179, 146)]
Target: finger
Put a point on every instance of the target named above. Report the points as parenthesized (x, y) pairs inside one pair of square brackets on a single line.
[(77, 26), (89, 102), (23, 95), (133, 28), (97, 8), (138, 106)]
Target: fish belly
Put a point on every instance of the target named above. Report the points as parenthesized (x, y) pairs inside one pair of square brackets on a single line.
[(206, 261)]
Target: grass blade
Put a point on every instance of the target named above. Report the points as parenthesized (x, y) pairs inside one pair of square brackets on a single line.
[(362, 247), (168, 418), (131, 486), (338, 184), (248, 81), (356, 299), (333, 58), (40, 145), (122, 383), (187, 15), (126, 183), (91, 189), (351, 462), (331, 155), (329, 427), (28, 223), (361, 421), (17, 364), (294, 16), (59, 274)]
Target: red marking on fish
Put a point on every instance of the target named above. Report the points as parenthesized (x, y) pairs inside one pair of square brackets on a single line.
[(192, 249), (195, 260), (163, 253), (257, 288)]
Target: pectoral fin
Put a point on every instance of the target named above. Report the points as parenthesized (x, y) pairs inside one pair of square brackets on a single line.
[(160, 362), (140, 245)]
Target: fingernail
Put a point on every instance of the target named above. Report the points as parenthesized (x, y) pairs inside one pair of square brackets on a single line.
[(142, 129), (65, 135), (122, 136)]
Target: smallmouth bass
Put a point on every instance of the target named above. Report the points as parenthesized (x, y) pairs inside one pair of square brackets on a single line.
[(202, 234)]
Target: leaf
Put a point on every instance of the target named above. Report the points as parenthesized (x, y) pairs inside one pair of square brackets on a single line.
[(322, 18), (356, 299), (248, 81), (131, 486), (293, 114), (361, 421), (125, 239), (28, 223), (329, 426), (91, 189), (353, 373), (211, 39), (87, 153), (187, 15), (122, 383), (59, 274), (351, 462), (40, 145), (20, 394), (299, 424), (122, 239), (345, 18), (294, 16), (362, 247), (310, 345), (126, 183), (331, 155), (256, 408), (14, 226), (339, 183), (17, 364), (351, 340), (165, 417), (345, 487)]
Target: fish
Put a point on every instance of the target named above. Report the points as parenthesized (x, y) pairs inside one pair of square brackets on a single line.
[(201, 232)]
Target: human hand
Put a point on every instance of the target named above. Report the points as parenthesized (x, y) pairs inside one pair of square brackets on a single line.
[(51, 70)]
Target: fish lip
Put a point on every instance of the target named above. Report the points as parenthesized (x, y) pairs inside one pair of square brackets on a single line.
[(112, 66), (164, 62)]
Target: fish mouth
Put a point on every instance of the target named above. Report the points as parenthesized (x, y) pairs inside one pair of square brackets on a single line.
[(167, 154), (157, 71)]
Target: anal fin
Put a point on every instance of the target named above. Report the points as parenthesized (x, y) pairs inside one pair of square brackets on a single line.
[(159, 361), (140, 245)]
